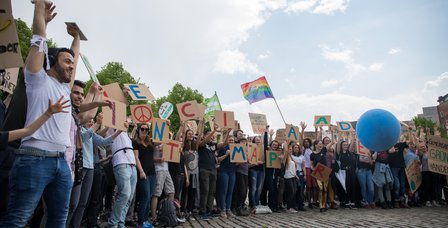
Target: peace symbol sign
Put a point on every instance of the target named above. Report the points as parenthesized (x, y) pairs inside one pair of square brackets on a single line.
[(142, 114)]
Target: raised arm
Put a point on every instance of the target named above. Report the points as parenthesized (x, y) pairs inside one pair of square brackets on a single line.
[(91, 96), (302, 132), (76, 44), (57, 107), (43, 13), (180, 131), (319, 133), (353, 142)]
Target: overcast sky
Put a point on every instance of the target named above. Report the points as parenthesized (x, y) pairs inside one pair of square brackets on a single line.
[(336, 57)]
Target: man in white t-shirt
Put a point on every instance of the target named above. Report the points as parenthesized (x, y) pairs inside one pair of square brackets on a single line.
[(40, 168), (125, 173)]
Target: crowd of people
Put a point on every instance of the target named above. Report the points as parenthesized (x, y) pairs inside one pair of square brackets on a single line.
[(62, 168)]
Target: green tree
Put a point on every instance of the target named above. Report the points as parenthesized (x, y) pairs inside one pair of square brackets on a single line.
[(176, 95)]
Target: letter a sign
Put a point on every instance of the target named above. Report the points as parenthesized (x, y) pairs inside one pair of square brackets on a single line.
[(322, 120)]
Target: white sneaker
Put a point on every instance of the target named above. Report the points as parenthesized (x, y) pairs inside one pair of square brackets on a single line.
[(230, 214), (428, 204), (223, 214), (435, 204)]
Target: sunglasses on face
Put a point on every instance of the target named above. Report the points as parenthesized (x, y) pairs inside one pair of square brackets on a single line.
[(144, 129)]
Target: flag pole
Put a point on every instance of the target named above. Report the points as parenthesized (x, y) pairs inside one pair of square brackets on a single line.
[(281, 114), (219, 102)]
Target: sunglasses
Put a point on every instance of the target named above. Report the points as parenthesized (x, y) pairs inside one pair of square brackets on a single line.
[(144, 129)]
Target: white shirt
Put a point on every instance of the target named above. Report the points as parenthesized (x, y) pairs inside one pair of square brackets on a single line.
[(308, 153), (120, 142), (54, 133), (298, 160), (290, 170)]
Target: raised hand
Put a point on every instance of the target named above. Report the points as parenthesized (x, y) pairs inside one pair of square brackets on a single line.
[(57, 107), (99, 118), (49, 10), (72, 31), (303, 125)]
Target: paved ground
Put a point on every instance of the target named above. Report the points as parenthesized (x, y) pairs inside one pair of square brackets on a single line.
[(416, 217)]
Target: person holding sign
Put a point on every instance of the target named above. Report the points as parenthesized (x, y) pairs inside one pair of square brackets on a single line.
[(290, 178), (311, 185), (256, 175), (269, 194), (226, 179), (429, 179), (318, 156), (144, 159), (349, 161), (299, 159), (191, 158), (364, 173)]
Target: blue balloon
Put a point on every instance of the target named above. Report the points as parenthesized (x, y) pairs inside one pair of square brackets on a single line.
[(378, 130)]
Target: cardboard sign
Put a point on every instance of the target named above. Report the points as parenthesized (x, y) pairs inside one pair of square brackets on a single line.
[(237, 125), (9, 79), (81, 35), (273, 159), (322, 120), (115, 117), (292, 132), (321, 172), (201, 111), (364, 153), (310, 135), (171, 151), (438, 155), (345, 126), (225, 119), (255, 153), (280, 135), (238, 153), (165, 110), (89, 69), (192, 125), (141, 113), (189, 110), (113, 91), (139, 92), (414, 175), (160, 130), (10, 54), (211, 121), (258, 122)]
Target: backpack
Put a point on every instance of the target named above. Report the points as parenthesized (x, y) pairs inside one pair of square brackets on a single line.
[(167, 213)]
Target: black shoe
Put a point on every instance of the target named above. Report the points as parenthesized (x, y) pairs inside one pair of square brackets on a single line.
[(384, 205), (390, 205), (301, 209)]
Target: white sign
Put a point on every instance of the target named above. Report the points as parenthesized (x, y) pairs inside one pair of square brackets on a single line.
[(165, 110)]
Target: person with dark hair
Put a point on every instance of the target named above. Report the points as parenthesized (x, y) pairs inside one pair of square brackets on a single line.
[(318, 156), (290, 178), (191, 160), (207, 169), (299, 159), (144, 158), (256, 177), (349, 160), (40, 169), (226, 179), (382, 177)]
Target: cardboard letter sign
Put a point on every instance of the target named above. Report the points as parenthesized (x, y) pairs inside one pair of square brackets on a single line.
[(113, 91), (238, 153), (345, 126), (188, 110), (160, 130), (10, 55), (141, 113), (225, 119), (254, 153), (171, 151), (292, 132), (322, 120), (10, 80), (414, 175), (115, 117), (438, 155), (139, 92), (321, 172), (258, 122), (362, 150), (280, 135), (192, 125), (273, 159)]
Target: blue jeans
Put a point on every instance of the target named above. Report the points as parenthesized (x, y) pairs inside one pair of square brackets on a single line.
[(399, 183), (256, 179), (366, 184), (300, 197), (31, 178), (226, 183), (126, 179), (145, 189)]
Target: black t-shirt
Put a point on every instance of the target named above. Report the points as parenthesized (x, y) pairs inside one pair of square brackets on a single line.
[(319, 158), (396, 160), (16, 113), (349, 161), (3, 139), (146, 157), (207, 156)]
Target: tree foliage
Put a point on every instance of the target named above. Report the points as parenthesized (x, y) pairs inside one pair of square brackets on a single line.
[(176, 95), (429, 126)]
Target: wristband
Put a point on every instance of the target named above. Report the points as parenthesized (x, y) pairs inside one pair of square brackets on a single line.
[(41, 43)]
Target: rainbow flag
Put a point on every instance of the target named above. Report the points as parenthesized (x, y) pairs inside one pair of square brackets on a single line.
[(257, 90)]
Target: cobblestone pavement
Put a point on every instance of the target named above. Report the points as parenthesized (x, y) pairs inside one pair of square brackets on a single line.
[(415, 217)]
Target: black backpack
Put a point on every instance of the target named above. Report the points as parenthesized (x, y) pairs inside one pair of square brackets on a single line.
[(167, 213)]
